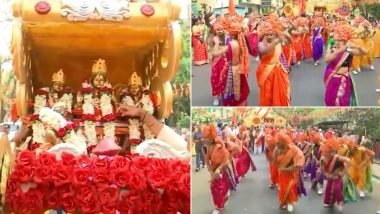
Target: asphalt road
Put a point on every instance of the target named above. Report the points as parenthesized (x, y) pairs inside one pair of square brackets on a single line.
[(307, 86), (254, 196)]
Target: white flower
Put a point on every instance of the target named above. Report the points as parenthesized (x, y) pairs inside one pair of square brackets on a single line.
[(147, 104), (134, 132), (90, 131), (128, 101), (109, 130)]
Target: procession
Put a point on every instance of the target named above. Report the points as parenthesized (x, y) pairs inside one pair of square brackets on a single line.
[(264, 160), (298, 53)]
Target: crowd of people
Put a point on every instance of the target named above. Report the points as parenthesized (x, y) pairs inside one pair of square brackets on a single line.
[(348, 44), (337, 163)]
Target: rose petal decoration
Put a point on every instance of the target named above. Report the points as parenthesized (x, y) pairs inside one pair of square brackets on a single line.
[(42, 7), (147, 10)]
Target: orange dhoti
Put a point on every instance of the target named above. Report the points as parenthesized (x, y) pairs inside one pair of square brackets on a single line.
[(376, 43), (273, 173), (357, 60), (287, 187), (368, 58), (358, 177), (273, 80)]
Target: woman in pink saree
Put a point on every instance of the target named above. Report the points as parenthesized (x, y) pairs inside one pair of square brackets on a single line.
[(219, 63), (217, 164), (236, 89), (339, 85), (253, 36), (245, 161), (334, 167)]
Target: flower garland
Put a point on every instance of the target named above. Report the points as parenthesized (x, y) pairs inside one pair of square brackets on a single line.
[(107, 111), (134, 124), (131, 184), (88, 116), (67, 99), (40, 101)]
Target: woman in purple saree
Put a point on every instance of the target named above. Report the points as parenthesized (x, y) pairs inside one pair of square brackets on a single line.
[(339, 86), (318, 43)]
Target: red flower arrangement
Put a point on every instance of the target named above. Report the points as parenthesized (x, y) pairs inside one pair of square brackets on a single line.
[(108, 118), (61, 132), (106, 89), (131, 184), (41, 92), (34, 118), (89, 117), (86, 90)]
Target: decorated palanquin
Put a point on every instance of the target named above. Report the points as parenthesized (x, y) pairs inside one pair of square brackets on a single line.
[(133, 49), (76, 62)]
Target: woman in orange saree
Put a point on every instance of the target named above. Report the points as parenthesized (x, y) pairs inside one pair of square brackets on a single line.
[(289, 160), (270, 145), (271, 75)]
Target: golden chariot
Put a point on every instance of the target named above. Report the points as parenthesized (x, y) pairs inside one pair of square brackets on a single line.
[(141, 37)]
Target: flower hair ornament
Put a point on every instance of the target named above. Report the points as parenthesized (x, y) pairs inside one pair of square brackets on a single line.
[(343, 32)]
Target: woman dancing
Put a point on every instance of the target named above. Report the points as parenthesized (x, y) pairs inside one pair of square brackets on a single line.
[(339, 86)]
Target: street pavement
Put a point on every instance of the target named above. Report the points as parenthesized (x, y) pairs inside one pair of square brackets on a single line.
[(254, 196), (307, 86)]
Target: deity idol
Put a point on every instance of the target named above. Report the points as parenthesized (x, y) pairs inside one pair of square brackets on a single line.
[(134, 96)]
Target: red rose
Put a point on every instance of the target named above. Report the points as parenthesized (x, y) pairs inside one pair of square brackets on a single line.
[(139, 162), (26, 158), (120, 177), (177, 167), (87, 200), (100, 163), (184, 183), (109, 208), (13, 185), (109, 195), (152, 200), (85, 193), (61, 132), (62, 175), (68, 203), (47, 159), (69, 127), (42, 175), (137, 180), (52, 199), (83, 161), (101, 177), (32, 201), (156, 179), (68, 159), (65, 190), (81, 176), (130, 201), (23, 173), (119, 162)]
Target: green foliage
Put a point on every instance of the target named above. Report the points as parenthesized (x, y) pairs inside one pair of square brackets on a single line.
[(183, 74), (374, 10), (181, 105)]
